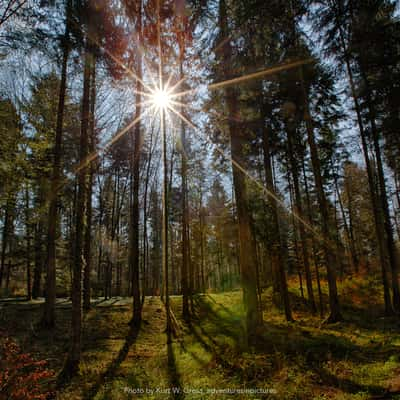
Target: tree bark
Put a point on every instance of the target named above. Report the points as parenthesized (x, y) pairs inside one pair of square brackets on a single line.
[(71, 366), (28, 245), (48, 318), (247, 251), (299, 209), (276, 245), (4, 242), (38, 242), (185, 233), (330, 259), (88, 229), (391, 247), (134, 244)]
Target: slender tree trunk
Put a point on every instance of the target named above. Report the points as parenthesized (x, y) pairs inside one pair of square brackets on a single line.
[(145, 235), (295, 235), (391, 248), (88, 231), (349, 235), (299, 210), (276, 245), (202, 255), (185, 238), (134, 244), (4, 242), (38, 242), (28, 245), (330, 259), (48, 318), (71, 366), (309, 215)]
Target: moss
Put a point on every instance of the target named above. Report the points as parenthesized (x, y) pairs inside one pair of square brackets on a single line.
[(307, 359)]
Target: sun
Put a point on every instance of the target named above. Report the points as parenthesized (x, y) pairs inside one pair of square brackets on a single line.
[(161, 99)]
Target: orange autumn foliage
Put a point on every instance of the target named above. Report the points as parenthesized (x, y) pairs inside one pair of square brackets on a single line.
[(21, 377)]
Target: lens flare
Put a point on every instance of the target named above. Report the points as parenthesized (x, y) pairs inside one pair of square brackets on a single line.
[(161, 99)]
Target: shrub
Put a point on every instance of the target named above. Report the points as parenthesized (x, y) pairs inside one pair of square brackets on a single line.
[(21, 377)]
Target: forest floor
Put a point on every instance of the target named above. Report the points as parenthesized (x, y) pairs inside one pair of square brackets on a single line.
[(307, 359)]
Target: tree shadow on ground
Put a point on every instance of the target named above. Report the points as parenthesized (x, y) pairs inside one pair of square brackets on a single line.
[(311, 350), (372, 319), (228, 326), (114, 365), (174, 377)]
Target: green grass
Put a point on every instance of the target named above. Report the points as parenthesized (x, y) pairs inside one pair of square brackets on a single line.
[(307, 359)]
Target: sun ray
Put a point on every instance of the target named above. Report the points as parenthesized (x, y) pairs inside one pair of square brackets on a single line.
[(95, 154), (91, 157), (176, 85), (216, 113), (147, 94), (170, 103), (166, 86), (244, 78), (314, 231)]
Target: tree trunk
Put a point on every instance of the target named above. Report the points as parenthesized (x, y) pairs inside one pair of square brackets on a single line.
[(349, 234), (134, 236), (247, 251), (321, 302), (4, 242), (88, 230), (38, 242), (185, 238), (330, 259), (291, 131), (276, 245), (374, 201), (48, 318), (28, 245), (295, 237), (391, 247), (202, 249), (71, 366)]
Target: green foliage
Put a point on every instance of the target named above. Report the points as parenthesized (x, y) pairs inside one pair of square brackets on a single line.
[(10, 149)]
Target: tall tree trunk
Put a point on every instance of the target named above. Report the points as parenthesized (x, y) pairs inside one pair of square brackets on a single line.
[(48, 318), (276, 245), (88, 229), (314, 250), (38, 242), (391, 248), (28, 245), (145, 214), (134, 244), (202, 249), (71, 366), (247, 251), (330, 258), (349, 234), (295, 237), (185, 235), (291, 132), (4, 241)]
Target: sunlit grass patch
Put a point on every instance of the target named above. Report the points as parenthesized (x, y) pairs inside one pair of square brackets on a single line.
[(354, 359)]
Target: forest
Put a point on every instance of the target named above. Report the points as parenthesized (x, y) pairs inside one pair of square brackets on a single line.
[(199, 199)]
